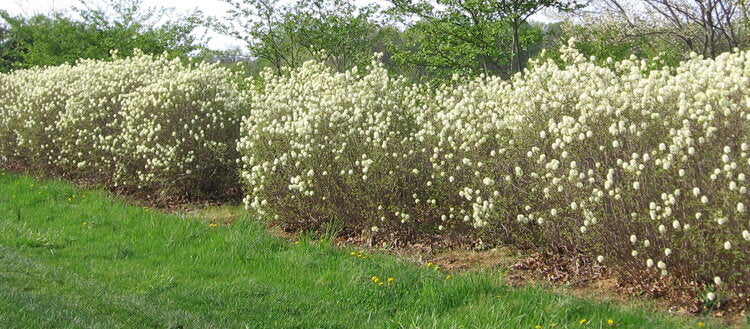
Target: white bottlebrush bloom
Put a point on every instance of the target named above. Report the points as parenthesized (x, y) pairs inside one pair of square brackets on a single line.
[(740, 207), (602, 140), (717, 281), (711, 296), (727, 245), (649, 263)]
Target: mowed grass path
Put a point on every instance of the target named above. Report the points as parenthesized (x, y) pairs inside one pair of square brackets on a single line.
[(83, 259)]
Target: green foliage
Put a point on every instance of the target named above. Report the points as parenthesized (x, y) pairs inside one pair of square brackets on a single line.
[(57, 38), (612, 41), (127, 25), (334, 31), (440, 48), (67, 265), (437, 50), (8, 46), (472, 37), (47, 40)]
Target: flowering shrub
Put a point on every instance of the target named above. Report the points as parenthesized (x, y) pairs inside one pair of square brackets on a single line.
[(324, 146), (141, 122), (181, 132), (643, 169)]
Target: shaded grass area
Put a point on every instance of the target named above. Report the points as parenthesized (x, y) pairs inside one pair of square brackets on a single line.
[(74, 258)]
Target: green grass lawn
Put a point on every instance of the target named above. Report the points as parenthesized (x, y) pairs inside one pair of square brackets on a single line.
[(74, 258)]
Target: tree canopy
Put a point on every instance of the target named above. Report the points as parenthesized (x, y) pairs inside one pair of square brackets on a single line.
[(90, 31)]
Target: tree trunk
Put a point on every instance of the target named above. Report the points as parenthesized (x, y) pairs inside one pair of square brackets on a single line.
[(516, 49)]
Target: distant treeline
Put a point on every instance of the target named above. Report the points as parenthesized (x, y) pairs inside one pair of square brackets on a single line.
[(420, 39)]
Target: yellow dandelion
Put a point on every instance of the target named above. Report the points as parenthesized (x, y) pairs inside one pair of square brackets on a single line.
[(212, 225), (375, 279), (537, 327), (391, 279), (380, 283), (701, 324), (582, 321), (353, 253), (296, 242), (448, 277), (611, 322), (430, 264), (553, 325)]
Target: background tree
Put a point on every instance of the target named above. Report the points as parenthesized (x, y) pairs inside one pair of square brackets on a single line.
[(335, 31), (612, 39), (9, 44), (92, 32), (128, 24), (707, 27), (483, 25), (441, 44)]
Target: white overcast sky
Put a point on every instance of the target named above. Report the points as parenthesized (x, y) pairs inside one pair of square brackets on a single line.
[(208, 7)]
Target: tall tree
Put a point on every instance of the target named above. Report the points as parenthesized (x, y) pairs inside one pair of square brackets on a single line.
[(335, 31), (9, 44), (129, 24), (707, 27), (477, 20), (92, 32)]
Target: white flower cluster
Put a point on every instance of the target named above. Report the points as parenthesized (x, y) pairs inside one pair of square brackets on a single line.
[(644, 168), (140, 122)]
